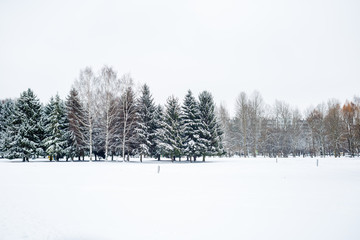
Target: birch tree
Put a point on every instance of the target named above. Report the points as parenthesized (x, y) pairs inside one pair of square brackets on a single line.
[(86, 86), (128, 117), (334, 127), (315, 119), (242, 113), (109, 90), (255, 107), (349, 111), (226, 125)]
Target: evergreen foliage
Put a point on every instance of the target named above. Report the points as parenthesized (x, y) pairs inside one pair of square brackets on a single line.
[(146, 124), (172, 142), (76, 122), (190, 123), (210, 131), (56, 129), (25, 129), (159, 132), (6, 117)]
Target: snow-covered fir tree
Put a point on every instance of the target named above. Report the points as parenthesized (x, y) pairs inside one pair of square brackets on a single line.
[(172, 143), (146, 124), (7, 135), (210, 131), (190, 120), (56, 129), (6, 116), (76, 121), (2, 128), (159, 132), (25, 129)]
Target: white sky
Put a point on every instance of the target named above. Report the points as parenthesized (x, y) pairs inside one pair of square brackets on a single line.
[(303, 52)]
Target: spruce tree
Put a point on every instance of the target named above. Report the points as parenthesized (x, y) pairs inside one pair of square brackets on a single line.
[(2, 128), (210, 134), (3, 125), (7, 134), (25, 129), (76, 123), (56, 129), (190, 124), (172, 143), (146, 124), (159, 132)]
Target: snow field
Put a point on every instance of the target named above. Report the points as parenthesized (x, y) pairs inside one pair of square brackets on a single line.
[(219, 199)]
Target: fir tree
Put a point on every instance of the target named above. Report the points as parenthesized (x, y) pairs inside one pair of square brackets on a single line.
[(56, 129), (210, 133), (76, 123), (159, 133), (7, 133), (190, 123), (172, 144), (25, 129), (146, 124), (2, 128), (6, 115)]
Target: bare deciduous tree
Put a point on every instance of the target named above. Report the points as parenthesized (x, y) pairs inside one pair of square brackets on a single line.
[(86, 85), (109, 89), (242, 113), (128, 115), (334, 127)]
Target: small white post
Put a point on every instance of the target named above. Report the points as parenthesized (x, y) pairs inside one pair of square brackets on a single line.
[(317, 162), (158, 169)]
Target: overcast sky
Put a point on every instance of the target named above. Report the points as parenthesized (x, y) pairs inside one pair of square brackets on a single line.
[(302, 52)]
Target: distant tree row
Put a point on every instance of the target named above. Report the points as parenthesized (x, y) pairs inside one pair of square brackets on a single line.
[(280, 131), (102, 117), (105, 116)]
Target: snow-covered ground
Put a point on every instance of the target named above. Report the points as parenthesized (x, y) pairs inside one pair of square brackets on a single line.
[(219, 199)]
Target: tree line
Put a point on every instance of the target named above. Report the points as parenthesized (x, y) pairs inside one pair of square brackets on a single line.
[(104, 116), (330, 129)]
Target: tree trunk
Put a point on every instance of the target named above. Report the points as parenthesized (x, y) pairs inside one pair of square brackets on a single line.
[(203, 158), (90, 139), (107, 129), (123, 143)]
